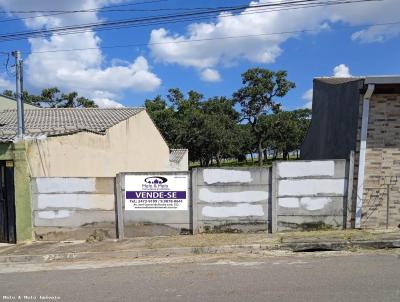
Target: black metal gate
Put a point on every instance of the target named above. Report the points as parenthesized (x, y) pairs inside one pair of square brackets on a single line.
[(7, 205)]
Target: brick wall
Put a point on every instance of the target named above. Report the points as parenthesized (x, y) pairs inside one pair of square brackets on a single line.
[(382, 167)]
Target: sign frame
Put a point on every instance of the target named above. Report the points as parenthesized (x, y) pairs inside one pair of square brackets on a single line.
[(120, 189)]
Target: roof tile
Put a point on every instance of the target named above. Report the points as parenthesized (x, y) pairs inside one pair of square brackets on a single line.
[(176, 155), (63, 121)]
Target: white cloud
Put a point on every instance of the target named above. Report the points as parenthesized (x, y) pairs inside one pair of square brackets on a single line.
[(5, 84), (341, 71), (376, 34), (106, 99), (87, 72), (210, 75), (213, 53), (307, 96), (107, 103)]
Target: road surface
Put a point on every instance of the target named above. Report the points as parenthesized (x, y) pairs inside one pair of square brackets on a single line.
[(313, 277)]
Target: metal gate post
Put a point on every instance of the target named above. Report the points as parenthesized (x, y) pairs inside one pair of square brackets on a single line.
[(349, 209), (119, 205), (274, 198)]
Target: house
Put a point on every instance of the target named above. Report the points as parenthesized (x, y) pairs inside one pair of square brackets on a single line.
[(7, 102), (361, 115), (179, 159), (73, 143)]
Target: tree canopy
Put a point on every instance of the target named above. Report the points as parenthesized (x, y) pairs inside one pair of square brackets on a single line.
[(257, 97), (220, 128), (54, 98), (206, 127)]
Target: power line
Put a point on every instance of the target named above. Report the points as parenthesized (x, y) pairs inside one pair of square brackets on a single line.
[(209, 39), (107, 9), (56, 13), (83, 10), (163, 19)]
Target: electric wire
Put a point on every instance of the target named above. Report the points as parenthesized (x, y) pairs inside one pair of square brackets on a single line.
[(56, 13), (208, 39), (161, 19)]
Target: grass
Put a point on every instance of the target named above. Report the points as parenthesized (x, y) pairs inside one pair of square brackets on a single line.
[(234, 163)]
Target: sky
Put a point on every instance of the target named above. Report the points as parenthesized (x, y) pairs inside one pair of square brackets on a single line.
[(336, 40)]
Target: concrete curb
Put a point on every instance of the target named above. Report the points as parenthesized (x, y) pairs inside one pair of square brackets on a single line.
[(343, 245), (186, 251)]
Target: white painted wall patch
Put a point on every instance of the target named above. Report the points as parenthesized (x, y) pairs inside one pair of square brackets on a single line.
[(213, 176), (313, 204), (309, 168), (301, 187), (289, 202), (80, 201), (307, 203), (65, 185)]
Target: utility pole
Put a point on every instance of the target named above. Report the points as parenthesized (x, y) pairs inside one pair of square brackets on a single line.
[(18, 93)]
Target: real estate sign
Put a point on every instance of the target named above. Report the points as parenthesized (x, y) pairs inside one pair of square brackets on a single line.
[(156, 192)]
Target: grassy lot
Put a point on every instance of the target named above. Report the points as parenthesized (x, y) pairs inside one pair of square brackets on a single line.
[(235, 163)]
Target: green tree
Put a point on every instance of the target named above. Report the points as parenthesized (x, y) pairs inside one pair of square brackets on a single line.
[(53, 98), (220, 127), (205, 127), (165, 119), (257, 97), (284, 131), (8, 93), (245, 142)]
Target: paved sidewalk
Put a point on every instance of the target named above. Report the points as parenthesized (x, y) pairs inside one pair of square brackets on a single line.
[(42, 251)]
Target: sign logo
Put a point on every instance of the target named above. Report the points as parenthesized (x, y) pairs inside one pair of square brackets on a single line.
[(155, 180)]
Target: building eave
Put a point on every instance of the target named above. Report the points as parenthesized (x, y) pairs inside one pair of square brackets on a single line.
[(394, 79)]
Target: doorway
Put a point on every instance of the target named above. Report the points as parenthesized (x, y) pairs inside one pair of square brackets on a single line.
[(7, 203)]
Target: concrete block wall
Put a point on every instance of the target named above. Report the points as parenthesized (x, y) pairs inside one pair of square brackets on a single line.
[(293, 195), (73, 208), (231, 200), (309, 194)]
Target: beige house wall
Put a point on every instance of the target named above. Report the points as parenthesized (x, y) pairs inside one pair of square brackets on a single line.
[(7, 103), (91, 155), (382, 166)]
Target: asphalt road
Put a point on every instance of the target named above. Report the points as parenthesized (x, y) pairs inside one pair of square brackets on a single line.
[(319, 278)]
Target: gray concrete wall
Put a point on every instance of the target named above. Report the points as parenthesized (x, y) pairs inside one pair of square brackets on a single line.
[(293, 195), (309, 194), (73, 208), (231, 200), (139, 223), (335, 112)]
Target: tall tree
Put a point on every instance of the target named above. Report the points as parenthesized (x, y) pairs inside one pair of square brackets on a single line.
[(257, 97)]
